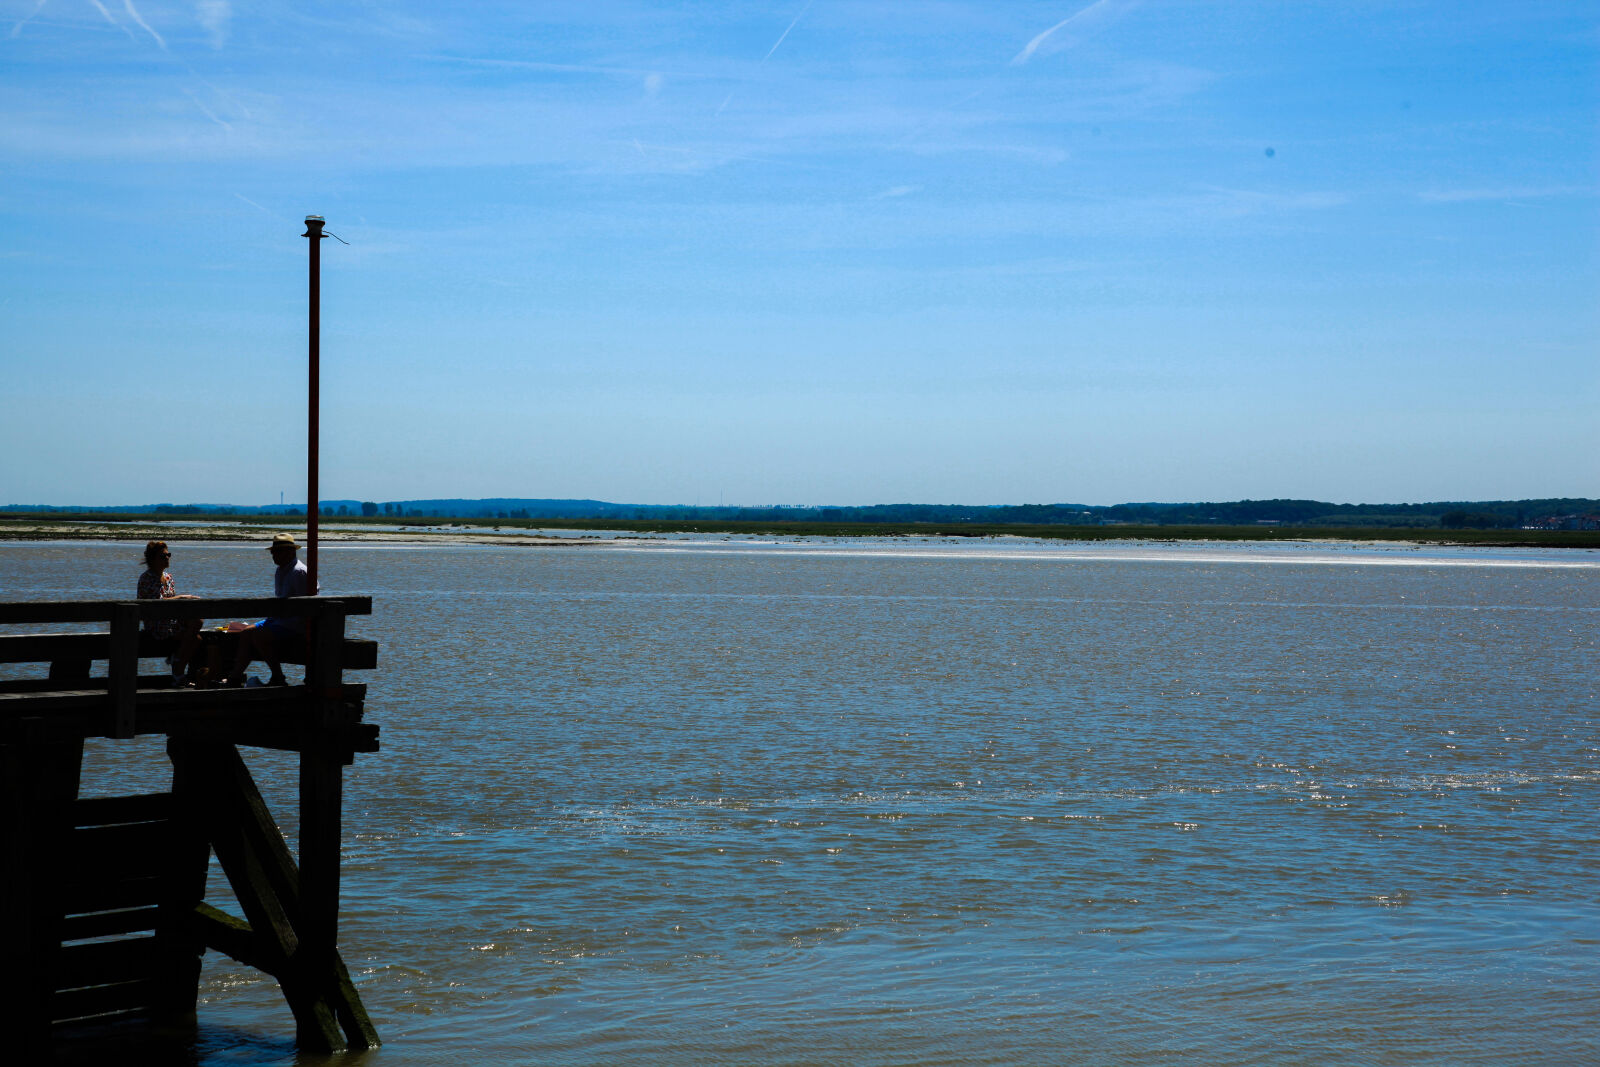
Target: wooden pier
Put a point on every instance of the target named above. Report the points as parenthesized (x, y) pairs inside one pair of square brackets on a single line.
[(102, 901)]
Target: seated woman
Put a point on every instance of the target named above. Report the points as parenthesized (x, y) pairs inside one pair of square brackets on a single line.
[(178, 638)]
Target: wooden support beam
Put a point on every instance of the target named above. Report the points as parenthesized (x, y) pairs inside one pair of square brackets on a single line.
[(244, 836), (123, 667), (347, 1007), (188, 861), (317, 918), (270, 889), (38, 784), (225, 802), (324, 674), (215, 928)]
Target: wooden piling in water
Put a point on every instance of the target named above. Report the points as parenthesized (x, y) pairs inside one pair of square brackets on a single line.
[(102, 909)]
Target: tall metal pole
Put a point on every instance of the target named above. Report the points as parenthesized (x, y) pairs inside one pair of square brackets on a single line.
[(314, 224)]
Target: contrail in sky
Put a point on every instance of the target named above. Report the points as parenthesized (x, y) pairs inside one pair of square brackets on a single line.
[(29, 18), (779, 41), (729, 98), (133, 13), (207, 112), (1098, 7), (252, 203)]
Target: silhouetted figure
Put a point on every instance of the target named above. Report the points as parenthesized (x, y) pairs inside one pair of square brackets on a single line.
[(178, 638), (268, 639)]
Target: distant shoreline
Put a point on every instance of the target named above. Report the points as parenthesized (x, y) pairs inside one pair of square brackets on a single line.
[(492, 532)]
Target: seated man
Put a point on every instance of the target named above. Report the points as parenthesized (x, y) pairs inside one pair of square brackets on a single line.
[(271, 638)]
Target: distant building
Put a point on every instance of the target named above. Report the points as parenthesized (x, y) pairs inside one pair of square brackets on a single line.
[(1564, 522)]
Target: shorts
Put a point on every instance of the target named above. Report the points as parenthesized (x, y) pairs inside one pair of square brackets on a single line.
[(281, 629)]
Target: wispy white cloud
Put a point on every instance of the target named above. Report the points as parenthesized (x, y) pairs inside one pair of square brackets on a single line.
[(895, 191), (109, 17), (1506, 193), (1218, 202), (17, 27), (1090, 18), (133, 13), (214, 15), (1037, 154), (564, 68)]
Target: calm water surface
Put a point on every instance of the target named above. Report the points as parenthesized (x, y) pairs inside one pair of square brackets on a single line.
[(938, 802)]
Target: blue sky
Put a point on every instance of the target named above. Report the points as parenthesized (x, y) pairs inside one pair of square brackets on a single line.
[(812, 253)]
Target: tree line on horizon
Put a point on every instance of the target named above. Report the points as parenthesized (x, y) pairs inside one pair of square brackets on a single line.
[(1567, 512)]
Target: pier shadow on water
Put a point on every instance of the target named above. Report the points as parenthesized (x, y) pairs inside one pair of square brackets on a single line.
[(137, 1042)]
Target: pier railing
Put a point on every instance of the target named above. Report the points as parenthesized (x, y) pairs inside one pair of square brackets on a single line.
[(102, 910)]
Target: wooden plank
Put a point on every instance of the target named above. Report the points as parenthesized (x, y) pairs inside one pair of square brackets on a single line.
[(357, 654), (111, 894), (127, 959), (113, 811), (108, 923), (289, 696), (102, 1000), (37, 611), (39, 648), (84, 681), (88, 720), (134, 850), (69, 669), (44, 611), (283, 737), (32, 703), (43, 648)]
